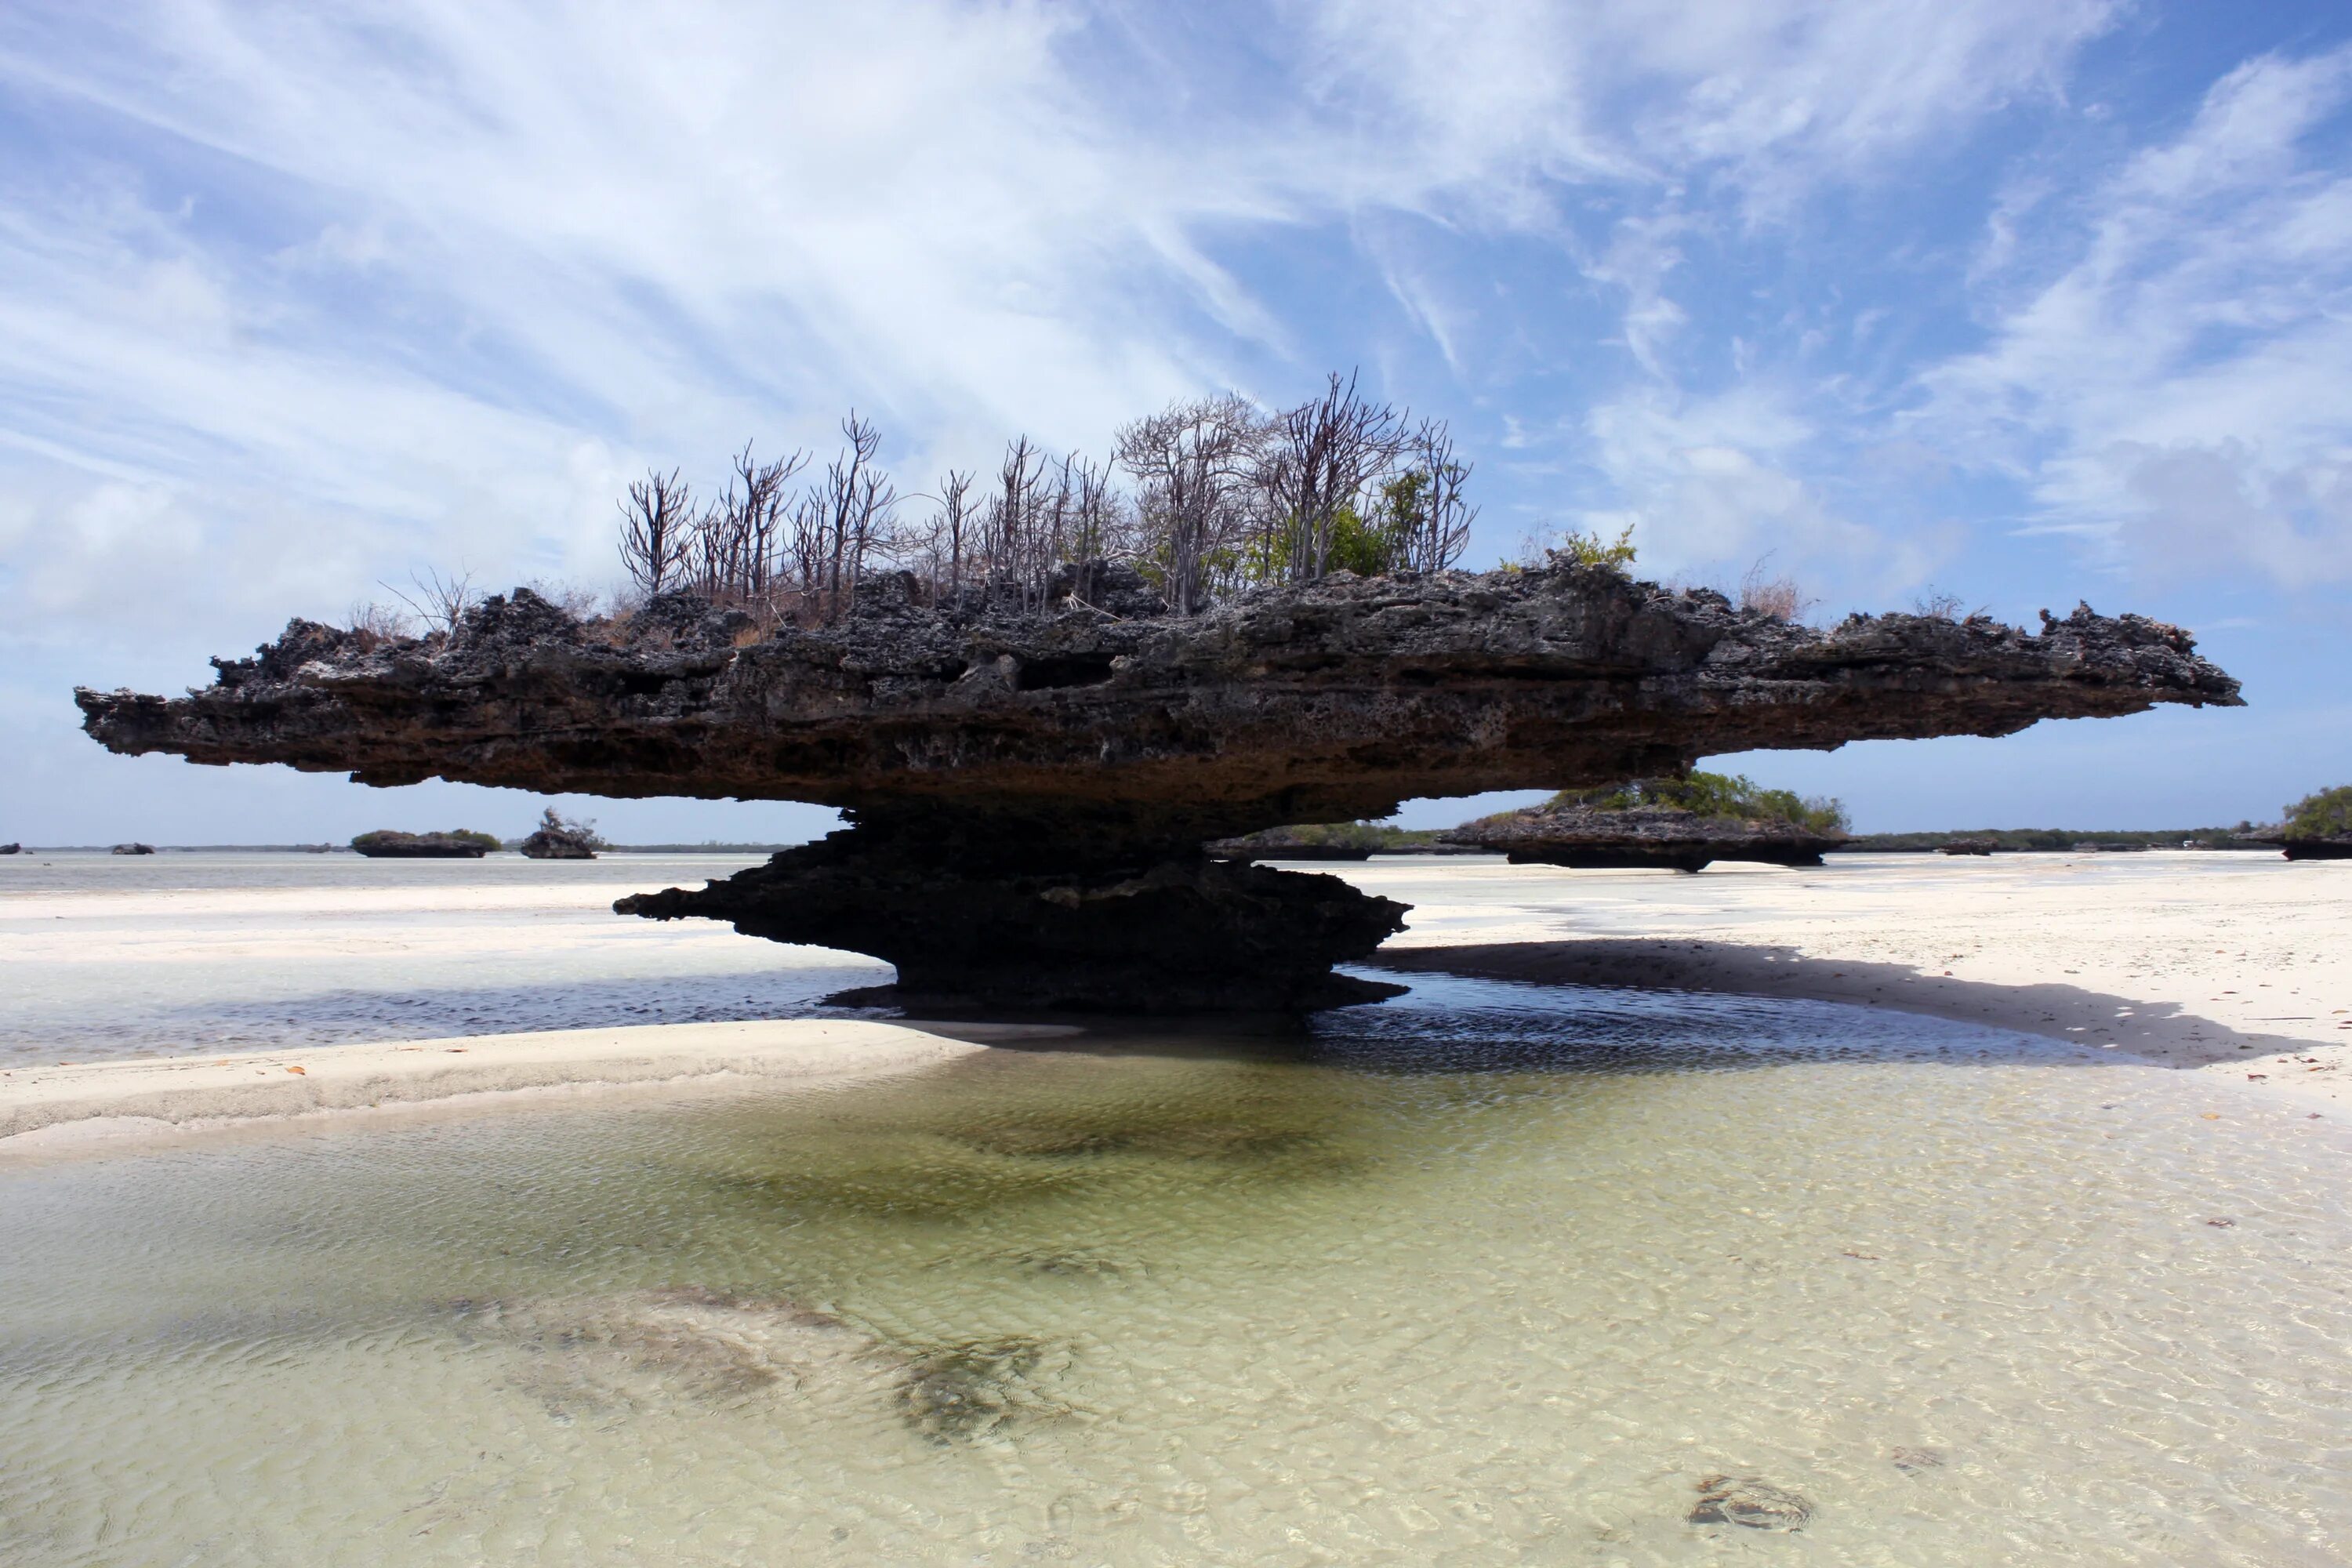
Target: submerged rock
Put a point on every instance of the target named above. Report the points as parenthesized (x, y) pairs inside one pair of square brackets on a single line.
[(1031, 791), (1744, 1500), (965, 1391), (646, 1349)]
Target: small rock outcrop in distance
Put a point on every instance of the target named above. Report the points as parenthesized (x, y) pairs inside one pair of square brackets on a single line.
[(2314, 846), (2316, 828), (1019, 760), (1968, 847), (1587, 837), (133, 848), (559, 839), (1315, 842), (11, 849), (385, 844)]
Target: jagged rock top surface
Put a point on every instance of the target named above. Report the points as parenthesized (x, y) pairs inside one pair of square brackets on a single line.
[(1538, 828), (1332, 702)]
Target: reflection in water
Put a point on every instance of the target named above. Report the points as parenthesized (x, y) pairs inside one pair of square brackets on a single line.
[(1489, 1274)]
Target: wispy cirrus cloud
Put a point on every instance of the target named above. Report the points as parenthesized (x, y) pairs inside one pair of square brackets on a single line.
[(2170, 369)]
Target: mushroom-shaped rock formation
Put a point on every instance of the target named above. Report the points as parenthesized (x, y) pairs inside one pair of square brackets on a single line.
[(558, 839), (1031, 790), (1599, 836)]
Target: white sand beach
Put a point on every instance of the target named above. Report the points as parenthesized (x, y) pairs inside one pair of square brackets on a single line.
[(2229, 963)]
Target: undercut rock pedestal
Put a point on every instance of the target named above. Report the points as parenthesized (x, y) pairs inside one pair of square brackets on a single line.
[(1032, 787)]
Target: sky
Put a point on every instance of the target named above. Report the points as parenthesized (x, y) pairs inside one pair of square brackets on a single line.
[(2020, 301)]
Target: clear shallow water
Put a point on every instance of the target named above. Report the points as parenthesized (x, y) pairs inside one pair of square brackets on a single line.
[(104, 956), (1488, 1274)]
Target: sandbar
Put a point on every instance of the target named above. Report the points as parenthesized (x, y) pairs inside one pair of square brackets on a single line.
[(56, 1108)]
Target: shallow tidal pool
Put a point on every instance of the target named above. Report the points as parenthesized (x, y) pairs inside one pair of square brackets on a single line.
[(1488, 1274)]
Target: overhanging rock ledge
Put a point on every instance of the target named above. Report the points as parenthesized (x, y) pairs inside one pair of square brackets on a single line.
[(1031, 790)]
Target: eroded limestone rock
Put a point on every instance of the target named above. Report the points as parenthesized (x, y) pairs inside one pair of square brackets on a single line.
[(1641, 837), (1032, 789)]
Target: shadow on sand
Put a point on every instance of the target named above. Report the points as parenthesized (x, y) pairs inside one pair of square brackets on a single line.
[(2163, 1033)]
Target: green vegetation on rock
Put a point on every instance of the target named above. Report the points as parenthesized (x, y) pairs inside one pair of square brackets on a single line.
[(2324, 814), (382, 836), (1716, 795)]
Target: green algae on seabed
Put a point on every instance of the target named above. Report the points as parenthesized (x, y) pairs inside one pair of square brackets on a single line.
[(1493, 1274)]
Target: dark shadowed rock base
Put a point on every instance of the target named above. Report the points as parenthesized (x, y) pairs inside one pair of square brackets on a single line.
[(2339, 848), (995, 915)]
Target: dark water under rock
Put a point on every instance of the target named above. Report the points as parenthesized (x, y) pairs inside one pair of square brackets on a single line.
[(1488, 1275)]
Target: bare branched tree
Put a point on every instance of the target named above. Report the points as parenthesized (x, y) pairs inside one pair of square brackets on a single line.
[(1193, 462), (658, 527), (733, 556), (1321, 459), (1433, 528), (1219, 495)]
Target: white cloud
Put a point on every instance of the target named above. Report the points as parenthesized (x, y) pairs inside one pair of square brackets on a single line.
[(2180, 390), (1777, 94), (1712, 485)]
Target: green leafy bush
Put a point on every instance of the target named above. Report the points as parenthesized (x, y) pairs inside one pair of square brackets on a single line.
[(485, 842), (1578, 549), (1713, 796), (2326, 815)]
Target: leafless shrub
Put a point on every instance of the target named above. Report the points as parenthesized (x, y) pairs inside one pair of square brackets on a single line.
[(1778, 597), (580, 604), (1941, 606), (437, 601), (843, 520), (658, 527), (1221, 495), (732, 549), (379, 620)]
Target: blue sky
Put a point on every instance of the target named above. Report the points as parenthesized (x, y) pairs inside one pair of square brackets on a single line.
[(2023, 301)]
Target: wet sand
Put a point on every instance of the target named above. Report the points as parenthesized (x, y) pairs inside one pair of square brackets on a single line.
[(2232, 965)]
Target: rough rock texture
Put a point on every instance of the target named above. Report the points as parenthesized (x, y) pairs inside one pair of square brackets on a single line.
[(557, 839), (1642, 836), (1102, 743), (977, 917), (544, 845), (387, 845), (1330, 702)]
